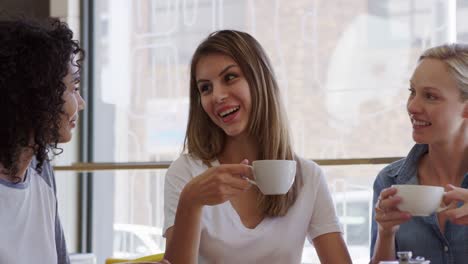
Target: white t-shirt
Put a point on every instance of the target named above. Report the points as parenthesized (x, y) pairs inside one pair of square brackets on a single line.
[(224, 239), (30, 230)]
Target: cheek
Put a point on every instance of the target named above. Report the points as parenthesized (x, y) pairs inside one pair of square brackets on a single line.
[(248, 100), (206, 107), (71, 105), (447, 119)]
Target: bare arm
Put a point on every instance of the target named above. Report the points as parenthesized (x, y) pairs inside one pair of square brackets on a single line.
[(384, 247), (331, 248), (183, 239)]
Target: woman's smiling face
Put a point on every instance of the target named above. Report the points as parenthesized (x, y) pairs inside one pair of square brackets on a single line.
[(224, 93), (435, 106)]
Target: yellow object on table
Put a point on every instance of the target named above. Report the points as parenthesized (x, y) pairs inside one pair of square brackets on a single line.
[(156, 257)]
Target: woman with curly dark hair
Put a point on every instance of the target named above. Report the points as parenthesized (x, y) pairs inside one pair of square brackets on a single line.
[(39, 105)]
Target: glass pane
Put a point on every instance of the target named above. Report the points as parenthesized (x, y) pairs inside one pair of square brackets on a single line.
[(343, 70), (138, 213), (462, 19), (343, 67)]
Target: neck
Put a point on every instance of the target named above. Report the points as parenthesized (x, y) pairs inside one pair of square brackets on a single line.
[(449, 161), (239, 148), (22, 165)]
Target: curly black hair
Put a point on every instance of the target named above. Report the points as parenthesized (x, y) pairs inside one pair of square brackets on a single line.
[(34, 58)]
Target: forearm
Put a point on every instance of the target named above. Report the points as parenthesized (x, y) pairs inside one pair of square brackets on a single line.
[(384, 248), (331, 248), (185, 240)]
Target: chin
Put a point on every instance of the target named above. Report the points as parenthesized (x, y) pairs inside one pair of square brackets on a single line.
[(233, 133), (64, 138), (419, 140)]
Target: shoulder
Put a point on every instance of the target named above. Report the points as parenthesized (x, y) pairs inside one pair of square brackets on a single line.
[(387, 176), (309, 166), (310, 172), (46, 173), (392, 169), (186, 161), (185, 167), (405, 167)]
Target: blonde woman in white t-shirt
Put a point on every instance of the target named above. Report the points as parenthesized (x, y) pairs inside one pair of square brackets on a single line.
[(213, 214)]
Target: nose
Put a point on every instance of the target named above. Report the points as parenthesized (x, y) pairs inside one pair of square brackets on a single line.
[(413, 105), (81, 103), (219, 94)]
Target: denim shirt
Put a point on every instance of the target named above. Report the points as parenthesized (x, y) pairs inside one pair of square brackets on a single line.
[(421, 234)]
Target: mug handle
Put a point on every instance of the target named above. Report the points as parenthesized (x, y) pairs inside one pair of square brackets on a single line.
[(443, 208), (250, 181)]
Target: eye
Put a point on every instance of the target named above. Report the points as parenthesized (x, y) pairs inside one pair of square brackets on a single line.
[(204, 87), (412, 91), (430, 96), (229, 77), (76, 85)]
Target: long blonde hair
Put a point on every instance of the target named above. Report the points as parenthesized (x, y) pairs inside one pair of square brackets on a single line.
[(267, 121), (456, 57)]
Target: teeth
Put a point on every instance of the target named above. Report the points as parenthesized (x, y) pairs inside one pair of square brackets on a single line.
[(227, 112), (420, 123)]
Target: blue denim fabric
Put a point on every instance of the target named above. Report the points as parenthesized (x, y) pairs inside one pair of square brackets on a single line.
[(421, 235)]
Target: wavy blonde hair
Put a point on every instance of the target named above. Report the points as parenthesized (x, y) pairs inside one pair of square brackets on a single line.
[(267, 121), (456, 57)]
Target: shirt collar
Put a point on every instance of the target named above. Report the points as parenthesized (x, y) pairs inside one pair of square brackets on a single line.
[(408, 171)]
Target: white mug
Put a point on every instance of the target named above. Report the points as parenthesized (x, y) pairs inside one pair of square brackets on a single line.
[(274, 177), (420, 200)]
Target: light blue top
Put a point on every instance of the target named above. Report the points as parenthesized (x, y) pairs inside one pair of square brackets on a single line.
[(421, 235)]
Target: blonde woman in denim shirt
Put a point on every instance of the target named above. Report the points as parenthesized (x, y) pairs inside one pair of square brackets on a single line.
[(438, 110)]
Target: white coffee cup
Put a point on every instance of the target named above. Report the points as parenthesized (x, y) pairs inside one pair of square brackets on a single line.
[(274, 177), (420, 200)]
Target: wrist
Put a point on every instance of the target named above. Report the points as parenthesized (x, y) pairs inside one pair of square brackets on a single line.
[(387, 233), (188, 202)]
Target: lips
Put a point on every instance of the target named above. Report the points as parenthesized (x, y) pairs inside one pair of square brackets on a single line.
[(228, 113), (73, 121), (225, 111)]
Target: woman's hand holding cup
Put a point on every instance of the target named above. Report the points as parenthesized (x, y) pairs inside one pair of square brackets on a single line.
[(454, 195), (217, 184), (387, 215)]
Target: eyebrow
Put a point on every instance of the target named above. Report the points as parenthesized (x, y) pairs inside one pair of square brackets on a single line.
[(226, 69), (431, 88), (425, 87), (221, 73)]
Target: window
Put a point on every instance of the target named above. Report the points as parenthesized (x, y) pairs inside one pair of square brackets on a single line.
[(343, 67)]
